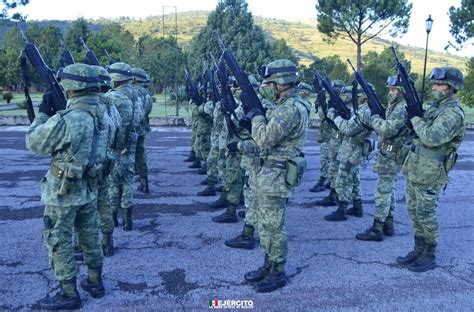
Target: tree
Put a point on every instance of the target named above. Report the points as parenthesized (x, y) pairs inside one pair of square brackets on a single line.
[(79, 28), (362, 20), (232, 20), (282, 51), (332, 65), (462, 22), (466, 96), (7, 5)]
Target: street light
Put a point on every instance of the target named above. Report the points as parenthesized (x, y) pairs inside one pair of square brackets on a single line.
[(429, 24)]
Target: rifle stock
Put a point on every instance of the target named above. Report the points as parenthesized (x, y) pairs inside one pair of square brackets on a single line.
[(338, 104), (191, 87), (89, 58)]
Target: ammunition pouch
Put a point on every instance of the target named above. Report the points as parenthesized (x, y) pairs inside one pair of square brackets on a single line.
[(402, 153), (368, 146), (93, 176), (295, 168), (108, 166), (69, 177), (450, 161)]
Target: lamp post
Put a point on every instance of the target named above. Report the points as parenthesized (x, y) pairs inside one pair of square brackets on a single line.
[(429, 24)]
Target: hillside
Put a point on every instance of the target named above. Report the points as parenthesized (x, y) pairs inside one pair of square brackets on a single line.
[(302, 36)]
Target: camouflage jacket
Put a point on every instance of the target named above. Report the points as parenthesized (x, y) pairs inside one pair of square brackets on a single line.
[(325, 128), (138, 113), (280, 137), (68, 137), (439, 134), (147, 104)]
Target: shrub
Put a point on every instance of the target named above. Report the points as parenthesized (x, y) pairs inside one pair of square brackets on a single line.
[(7, 96), (21, 105)]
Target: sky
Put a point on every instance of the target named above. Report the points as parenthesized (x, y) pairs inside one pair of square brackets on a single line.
[(293, 10)]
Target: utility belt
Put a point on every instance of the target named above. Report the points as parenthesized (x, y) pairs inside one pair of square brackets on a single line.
[(72, 174), (294, 168), (339, 136), (387, 147), (352, 140), (437, 155)]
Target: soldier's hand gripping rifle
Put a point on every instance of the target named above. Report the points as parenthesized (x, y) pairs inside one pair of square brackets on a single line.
[(340, 107), (414, 105), (89, 58), (192, 90), (321, 97), (111, 61), (373, 101), (31, 52), (250, 101), (66, 57)]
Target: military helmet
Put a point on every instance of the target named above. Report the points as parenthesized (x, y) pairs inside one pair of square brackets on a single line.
[(78, 76), (448, 75), (103, 75), (304, 87), (140, 75), (253, 81), (338, 84), (120, 71), (280, 71)]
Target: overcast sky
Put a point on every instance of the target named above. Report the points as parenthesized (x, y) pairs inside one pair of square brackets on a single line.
[(416, 36)]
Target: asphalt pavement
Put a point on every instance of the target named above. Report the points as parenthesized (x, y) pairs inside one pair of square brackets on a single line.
[(175, 259)]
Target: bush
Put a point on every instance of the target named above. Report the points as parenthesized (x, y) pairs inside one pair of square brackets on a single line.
[(7, 96), (21, 105), (466, 98)]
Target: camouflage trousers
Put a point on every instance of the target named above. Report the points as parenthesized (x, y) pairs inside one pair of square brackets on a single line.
[(422, 201), (348, 182), (121, 184), (249, 198), (211, 163), (324, 159), (333, 162), (270, 221), (202, 145), (385, 201), (221, 163), (233, 178), (104, 208), (59, 223), (141, 167)]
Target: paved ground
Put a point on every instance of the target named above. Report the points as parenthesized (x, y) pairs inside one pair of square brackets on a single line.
[(176, 259)]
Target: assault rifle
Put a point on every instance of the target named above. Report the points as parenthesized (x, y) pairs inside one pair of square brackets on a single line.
[(207, 78), (111, 61), (214, 91), (373, 101), (248, 97), (354, 97), (66, 57), (410, 95), (321, 97), (228, 104), (340, 107), (192, 90), (89, 58), (31, 52)]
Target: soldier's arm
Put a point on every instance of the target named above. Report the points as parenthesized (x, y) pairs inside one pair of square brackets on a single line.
[(444, 128), (348, 127), (391, 126), (46, 136), (282, 123)]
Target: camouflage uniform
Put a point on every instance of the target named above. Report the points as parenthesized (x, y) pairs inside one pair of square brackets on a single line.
[(69, 189), (439, 133), (213, 157)]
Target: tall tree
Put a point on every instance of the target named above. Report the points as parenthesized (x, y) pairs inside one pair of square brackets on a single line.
[(362, 20), (7, 5), (462, 22), (235, 24), (282, 51), (332, 65), (466, 96), (79, 28)]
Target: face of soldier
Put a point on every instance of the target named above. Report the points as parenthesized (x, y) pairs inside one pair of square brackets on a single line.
[(440, 92), (268, 91), (393, 95)]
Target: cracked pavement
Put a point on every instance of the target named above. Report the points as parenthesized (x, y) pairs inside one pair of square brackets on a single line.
[(175, 259)]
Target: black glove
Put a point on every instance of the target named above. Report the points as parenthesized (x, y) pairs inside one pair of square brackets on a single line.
[(413, 111), (253, 112), (46, 105), (374, 112), (232, 147), (246, 123)]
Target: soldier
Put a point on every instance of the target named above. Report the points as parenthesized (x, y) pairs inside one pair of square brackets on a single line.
[(121, 179), (281, 137), (203, 128), (69, 189), (354, 150), (140, 83), (392, 135), (439, 133)]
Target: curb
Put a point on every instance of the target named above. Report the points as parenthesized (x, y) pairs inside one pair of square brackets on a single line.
[(155, 122)]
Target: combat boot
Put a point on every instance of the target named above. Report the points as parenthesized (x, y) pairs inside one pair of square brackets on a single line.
[(210, 190), (205, 181), (339, 214), (319, 187), (260, 273), (219, 188), (330, 200), (276, 278), (202, 170), (412, 255), (107, 244), (374, 233), (93, 283), (114, 216), (241, 214), (244, 240), (221, 202), (356, 209), (196, 164), (229, 216), (328, 185), (425, 261), (388, 226), (67, 299), (191, 158), (127, 219), (143, 187)]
